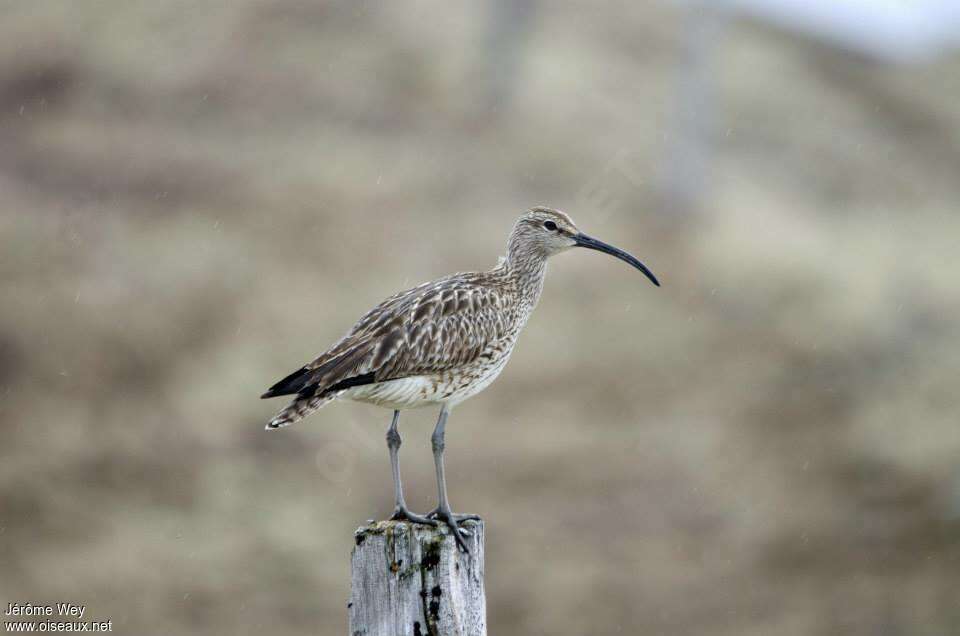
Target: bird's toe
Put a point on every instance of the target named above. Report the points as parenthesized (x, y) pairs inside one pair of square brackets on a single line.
[(400, 513)]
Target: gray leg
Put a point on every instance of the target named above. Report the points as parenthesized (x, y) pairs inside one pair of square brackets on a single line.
[(400, 511), (442, 511)]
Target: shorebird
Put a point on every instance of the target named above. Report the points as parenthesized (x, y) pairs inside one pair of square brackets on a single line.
[(438, 344)]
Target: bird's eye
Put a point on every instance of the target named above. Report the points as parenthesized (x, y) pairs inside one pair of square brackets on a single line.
[(550, 225)]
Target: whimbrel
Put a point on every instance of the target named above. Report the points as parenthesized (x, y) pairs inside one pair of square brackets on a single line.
[(438, 344)]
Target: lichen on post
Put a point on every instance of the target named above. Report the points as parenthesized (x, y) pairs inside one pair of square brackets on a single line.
[(411, 580)]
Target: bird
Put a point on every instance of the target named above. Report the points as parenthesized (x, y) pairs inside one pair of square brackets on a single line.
[(439, 344)]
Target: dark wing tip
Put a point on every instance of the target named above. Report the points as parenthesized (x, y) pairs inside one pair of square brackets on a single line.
[(291, 384)]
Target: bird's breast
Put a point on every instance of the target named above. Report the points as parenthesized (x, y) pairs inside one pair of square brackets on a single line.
[(470, 379)]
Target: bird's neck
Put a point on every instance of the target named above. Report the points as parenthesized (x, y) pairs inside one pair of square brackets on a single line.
[(527, 271)]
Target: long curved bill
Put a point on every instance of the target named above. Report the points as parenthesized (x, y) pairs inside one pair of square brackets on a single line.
[(591, 243)]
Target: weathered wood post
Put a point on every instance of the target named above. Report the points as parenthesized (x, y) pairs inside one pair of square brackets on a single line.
[(411, 580)]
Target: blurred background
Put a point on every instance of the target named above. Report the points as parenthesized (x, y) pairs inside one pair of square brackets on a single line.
[(196, 198)]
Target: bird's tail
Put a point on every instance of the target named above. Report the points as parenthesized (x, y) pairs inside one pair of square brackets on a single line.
[(299, 409)]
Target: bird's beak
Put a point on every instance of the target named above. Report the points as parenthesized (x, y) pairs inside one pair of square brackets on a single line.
[(582, 240)]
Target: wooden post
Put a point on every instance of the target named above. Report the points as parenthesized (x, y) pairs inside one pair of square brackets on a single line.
[(411, 580)]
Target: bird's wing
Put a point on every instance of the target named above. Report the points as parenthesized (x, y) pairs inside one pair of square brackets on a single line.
[(428, 329)]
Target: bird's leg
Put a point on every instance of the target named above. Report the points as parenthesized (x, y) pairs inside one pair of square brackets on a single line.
[(400, 511), (442, 511), (438, 447)]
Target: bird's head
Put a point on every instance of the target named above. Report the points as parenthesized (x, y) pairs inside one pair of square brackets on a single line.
[(542, 232)]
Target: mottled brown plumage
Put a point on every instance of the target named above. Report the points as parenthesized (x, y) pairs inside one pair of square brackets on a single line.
[(449, 332), (441, 342)]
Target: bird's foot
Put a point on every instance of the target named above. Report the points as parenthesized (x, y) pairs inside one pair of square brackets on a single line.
[(435, 514), (400, 513), (453, 520)]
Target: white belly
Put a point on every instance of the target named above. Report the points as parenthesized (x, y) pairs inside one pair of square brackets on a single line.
[(405, 393), (451, 387)]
